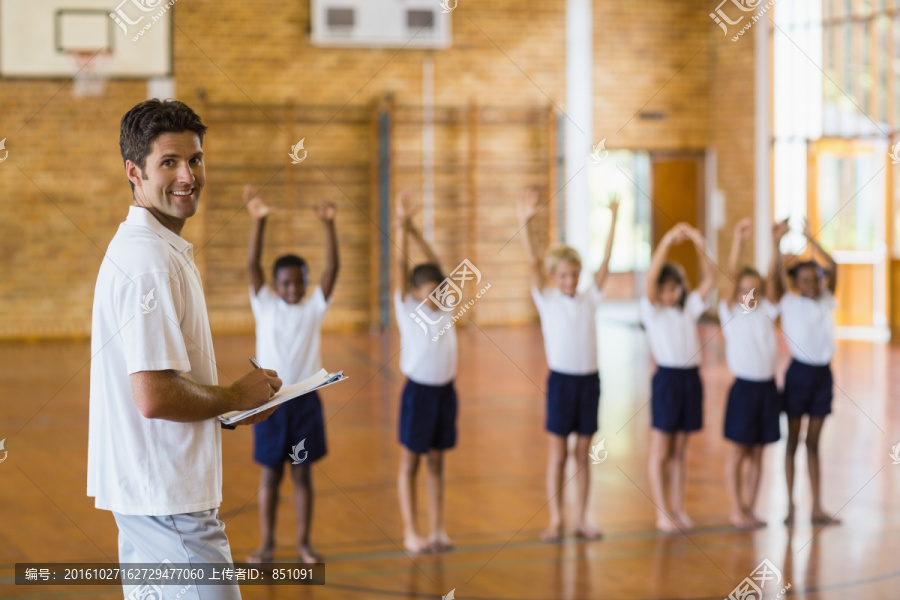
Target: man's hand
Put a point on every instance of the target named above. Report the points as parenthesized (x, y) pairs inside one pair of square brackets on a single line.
[(255, 388), (255, 205), (325, 210), (258, 417), (528, 206)]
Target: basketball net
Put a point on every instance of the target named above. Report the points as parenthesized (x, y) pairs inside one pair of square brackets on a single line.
[(91, 73)]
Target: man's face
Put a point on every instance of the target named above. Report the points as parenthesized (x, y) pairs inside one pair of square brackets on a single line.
[(169, 186)]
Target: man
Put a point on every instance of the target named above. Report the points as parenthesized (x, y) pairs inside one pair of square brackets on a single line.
[(154, 446)]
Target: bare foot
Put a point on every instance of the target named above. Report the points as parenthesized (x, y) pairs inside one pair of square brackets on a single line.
[(415, 543), (308, 555), (440, 542), (757, 522), (789, 519), (820, 517), (552, 535), (263, 554), (684, 522), (667, 525), (741, 521), (588, 532)]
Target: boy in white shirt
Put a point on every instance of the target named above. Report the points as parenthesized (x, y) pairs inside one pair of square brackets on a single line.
[(807, 320), (670, 314), (752, 415), (288, 339), (429, 405), (570, 340)]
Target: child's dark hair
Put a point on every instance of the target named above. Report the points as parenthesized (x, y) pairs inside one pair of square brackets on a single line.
[(150, 119), (806, 264), (287, 261), (674, 272), (425, 273)]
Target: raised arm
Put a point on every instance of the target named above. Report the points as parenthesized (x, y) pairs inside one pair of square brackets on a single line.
[(401, 220), (707, 271), (831, 266), (673, 236), (325, 210), (527, 208), (603, 271), (259, 212), (778, 278), (742, 231)]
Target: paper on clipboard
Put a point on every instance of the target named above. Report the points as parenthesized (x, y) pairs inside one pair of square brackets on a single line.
[(321, 379)]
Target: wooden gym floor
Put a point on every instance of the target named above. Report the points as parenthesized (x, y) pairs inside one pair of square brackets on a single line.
[(495, 481)]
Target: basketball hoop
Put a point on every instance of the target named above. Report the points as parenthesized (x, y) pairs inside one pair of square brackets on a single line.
[(91, 72)]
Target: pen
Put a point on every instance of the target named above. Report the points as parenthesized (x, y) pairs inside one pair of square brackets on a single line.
[(254, 363)]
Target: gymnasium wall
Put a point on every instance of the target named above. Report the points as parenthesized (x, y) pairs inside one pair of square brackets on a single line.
[(249, 71)]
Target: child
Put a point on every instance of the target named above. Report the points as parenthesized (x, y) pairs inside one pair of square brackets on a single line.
[(670, 314), (808, 323), (428, 405), (288, 339), (753, 409), (570, 342)]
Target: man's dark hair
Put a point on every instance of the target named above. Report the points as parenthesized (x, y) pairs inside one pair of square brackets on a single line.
[(806, 264), (674, 272), (150, 119), (287, 261), (426, 273)]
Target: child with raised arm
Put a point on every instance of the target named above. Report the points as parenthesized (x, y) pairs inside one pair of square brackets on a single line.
[(570, 342), (288, 338), (669, 312), (428, 405), (807, 319), (753, 408)]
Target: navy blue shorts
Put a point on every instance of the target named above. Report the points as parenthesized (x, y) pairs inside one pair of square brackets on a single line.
[(298, 420), (807, 390), (572, 403), (676, 399), (428, 417), (753, 412)]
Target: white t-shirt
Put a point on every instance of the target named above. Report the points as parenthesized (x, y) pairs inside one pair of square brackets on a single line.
[(808, 327), (750, 349), (672, 332), (288, 336), (422, 358), (569, 327), (149, 315)]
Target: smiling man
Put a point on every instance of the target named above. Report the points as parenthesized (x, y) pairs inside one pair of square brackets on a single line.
[(154, 445)]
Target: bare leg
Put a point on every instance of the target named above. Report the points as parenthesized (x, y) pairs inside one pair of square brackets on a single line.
[(268, 508), (791, 449), (734, 460), (406, 487), (583, 527), (303, 504), (438, 539), (661, 448), (819, 516), (556, 462), (678, 477), (751, 488)]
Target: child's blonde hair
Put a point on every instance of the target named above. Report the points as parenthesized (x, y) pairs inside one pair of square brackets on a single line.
[(560, 253)]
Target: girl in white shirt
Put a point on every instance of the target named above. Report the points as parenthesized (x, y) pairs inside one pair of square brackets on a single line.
[(670, 314), (807, 319), (752, 415)]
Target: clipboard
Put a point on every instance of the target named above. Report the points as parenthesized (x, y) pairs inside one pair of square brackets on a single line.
[(321, 379)]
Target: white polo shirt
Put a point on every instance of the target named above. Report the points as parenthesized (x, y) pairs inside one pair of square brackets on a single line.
[(750, 349), (672, 332), (288, 336), (422, 358), (149, 315), (569, 327), (808, 327)]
